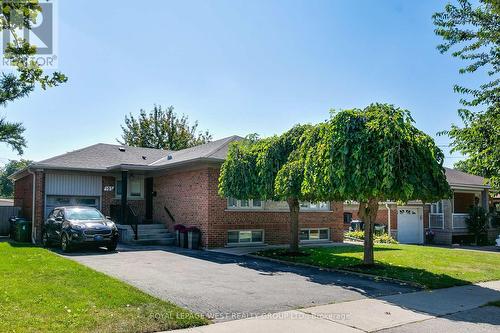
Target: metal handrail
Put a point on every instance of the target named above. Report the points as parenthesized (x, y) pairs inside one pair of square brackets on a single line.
[(131, 218), (169, 213)]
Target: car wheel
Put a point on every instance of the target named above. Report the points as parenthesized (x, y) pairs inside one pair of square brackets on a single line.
[(65, 243), (112, 246), (46, 240)]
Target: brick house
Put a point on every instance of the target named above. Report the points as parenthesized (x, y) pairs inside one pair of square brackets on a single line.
[(155, 186), (446, 218)]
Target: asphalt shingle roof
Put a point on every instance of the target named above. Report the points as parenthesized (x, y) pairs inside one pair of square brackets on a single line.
[(214, 150), (455, 177), (103, 156)]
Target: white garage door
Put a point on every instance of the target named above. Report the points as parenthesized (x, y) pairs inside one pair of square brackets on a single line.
[(63, 189), (410, 228)]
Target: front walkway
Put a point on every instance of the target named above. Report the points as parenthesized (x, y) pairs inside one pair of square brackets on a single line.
[(457, 309)]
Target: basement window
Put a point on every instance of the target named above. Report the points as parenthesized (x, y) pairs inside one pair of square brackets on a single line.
[(245, 237), (314, 234)]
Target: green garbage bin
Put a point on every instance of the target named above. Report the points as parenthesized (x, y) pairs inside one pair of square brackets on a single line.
[(23, 231)]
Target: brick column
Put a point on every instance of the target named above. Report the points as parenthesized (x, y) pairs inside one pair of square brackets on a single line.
[(39, 204)]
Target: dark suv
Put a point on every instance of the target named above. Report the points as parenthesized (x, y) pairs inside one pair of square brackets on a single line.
[(76, 225)]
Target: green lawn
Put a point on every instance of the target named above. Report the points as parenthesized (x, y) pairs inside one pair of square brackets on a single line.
[(43, 292), (431, 267)]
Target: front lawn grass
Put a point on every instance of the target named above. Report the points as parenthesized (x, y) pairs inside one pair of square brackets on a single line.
[(43, 292), (431, 267)]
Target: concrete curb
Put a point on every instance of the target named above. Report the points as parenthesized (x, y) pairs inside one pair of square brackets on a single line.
[(338, 270)]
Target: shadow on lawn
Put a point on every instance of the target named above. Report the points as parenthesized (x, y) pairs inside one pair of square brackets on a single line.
[(334, 258)]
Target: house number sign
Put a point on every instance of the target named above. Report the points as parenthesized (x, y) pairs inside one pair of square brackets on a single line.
[(109, 188)]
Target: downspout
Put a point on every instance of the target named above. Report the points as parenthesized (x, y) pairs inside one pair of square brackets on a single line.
[(33, 228), (388, 219)]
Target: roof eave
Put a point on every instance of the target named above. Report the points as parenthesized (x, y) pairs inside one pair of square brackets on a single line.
[(472, 186)]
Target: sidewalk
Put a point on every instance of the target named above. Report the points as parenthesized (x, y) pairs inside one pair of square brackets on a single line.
[(457, 309)]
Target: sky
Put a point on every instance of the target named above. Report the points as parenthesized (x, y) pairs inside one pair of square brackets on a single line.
[(238, 67)]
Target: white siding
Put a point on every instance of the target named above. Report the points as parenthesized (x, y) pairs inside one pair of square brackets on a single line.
[(71, 184)]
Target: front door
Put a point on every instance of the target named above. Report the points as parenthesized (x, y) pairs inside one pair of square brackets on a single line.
[(149, 198)]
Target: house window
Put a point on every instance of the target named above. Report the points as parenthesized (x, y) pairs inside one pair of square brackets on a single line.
[(135, 187), (245, 236), (314, 234), (118, 187), (347, 218), (244, 204), (306, 205), (437, 207)]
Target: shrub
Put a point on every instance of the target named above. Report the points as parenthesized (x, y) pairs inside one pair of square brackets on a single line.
[(477, 221), (384, 238), (380, 238)]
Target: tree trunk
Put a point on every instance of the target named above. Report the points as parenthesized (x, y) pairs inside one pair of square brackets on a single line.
[(293, 203), (368, 213)]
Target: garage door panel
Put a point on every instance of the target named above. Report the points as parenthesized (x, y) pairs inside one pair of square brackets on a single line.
[(73, 184), (410, 229), (53, 201)]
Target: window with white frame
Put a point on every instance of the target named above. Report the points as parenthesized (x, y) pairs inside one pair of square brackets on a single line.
[(437, 207), (135, 187), (244, 204), (245, 236), (306, 205), (314, 234)]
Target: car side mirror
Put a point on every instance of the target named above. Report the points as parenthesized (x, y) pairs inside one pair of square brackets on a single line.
[(108, 217)]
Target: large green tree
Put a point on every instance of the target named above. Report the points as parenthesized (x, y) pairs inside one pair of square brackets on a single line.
[(267, 169), (18, 15), (6, 185), (371, 155), (473, 32), (162, 129)]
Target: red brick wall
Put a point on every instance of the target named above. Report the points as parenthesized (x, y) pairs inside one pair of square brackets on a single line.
[(39, 203), (23, 195), (276, 225), (192, 198), (109, 198), (185, 194)]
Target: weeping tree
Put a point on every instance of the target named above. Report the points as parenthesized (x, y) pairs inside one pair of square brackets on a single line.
[(370, 155), (268, 169)]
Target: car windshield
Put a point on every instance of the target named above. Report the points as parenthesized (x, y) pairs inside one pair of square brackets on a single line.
[(83, 214)]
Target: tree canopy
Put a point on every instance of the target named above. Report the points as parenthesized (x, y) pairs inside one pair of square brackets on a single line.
[(473, 31), (162, 129), (371, 155), (6, 185), (375, 152), (267, 169), (26, 73)]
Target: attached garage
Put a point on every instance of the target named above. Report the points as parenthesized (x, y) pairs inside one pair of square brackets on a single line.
[(72, 190), (410, 225)]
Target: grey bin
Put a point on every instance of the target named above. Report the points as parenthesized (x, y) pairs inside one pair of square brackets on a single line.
[(193, 239), (183, 239)]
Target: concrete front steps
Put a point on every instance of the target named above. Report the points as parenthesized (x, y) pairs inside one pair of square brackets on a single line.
[(149, 234)]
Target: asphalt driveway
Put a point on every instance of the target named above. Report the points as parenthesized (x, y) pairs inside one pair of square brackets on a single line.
[(226, 287)]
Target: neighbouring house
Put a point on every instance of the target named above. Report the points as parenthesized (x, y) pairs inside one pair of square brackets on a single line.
[(153, 187), (445, 218)]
